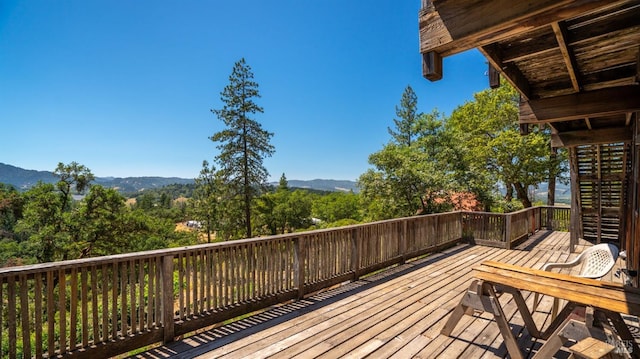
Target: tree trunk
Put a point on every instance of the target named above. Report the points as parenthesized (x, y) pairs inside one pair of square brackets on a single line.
[(509, 194), (521, 192)]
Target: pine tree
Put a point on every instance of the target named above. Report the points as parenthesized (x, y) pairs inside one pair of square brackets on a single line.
[(243, 144), (406, 130)]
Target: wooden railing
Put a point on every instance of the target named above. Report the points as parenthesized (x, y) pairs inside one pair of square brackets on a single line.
[(100, 307), (503, 230)]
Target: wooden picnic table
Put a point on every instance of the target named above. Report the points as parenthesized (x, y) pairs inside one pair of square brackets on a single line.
[(591, 304)]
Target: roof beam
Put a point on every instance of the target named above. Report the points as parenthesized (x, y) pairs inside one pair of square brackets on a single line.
[(604, 102), (494, 77), (450, 27), (591, 137), (509, 70), (560, 30)]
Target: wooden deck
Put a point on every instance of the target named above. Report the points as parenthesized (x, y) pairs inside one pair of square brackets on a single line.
[(397, 313)]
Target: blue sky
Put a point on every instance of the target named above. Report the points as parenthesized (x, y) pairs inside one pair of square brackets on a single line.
[(126, 87)]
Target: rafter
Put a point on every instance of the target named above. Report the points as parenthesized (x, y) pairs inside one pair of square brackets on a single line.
[(560, 30), (511, 72)]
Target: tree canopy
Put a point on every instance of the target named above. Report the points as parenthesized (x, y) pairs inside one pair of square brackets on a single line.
[(243, 144), (492, 151), (410, 172)]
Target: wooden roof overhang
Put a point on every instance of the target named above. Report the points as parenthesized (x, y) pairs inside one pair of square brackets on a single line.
[(574, 62)]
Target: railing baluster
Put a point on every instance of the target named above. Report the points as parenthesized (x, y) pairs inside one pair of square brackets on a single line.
[(124, 317), (194, 276), (24, 313), (151, 293), (105, 303), (157, 304), (85, 308), (62, 311), (114, 301), (2, 306), (50, 314), (181, 314), (37, 312), (216, 277), (202, 271), (140, 289), (188, 259), (132, 296), (73, 310), (94, 304), (11, 318)]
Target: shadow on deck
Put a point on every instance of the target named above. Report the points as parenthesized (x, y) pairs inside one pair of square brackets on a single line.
[(396, 313)]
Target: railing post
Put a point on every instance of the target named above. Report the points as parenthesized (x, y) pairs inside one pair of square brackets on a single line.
[(167, 299), (507, 231), (300, 249), (403, 241), (355, 254), (532, 221)]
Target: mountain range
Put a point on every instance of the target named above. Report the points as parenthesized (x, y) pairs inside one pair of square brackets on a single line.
[(24, 179)]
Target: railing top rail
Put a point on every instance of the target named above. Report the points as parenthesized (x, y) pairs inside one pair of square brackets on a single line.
[(512, 213)]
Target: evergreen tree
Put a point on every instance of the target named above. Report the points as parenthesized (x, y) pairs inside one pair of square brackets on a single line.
[(243, 144), (410, 174), (205, 199), (407, 111)]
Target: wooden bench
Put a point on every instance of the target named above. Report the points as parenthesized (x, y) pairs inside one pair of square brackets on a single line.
[(591, 304)]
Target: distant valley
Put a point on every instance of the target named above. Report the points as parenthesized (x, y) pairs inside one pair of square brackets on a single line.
[(24, 179)]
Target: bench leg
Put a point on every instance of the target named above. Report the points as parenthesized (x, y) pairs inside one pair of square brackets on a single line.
[(481, 296), (624, 333), (570, 329)]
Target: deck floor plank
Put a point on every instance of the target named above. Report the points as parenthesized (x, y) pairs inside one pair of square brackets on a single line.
[(307, 330), (488, 338), (423, 304), (478, 326), (396, 313)]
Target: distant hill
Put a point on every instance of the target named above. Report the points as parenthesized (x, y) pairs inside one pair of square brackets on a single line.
[(24, 179), (324, 185)]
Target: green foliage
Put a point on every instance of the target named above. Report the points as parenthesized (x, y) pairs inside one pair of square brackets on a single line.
[(337, 206), (42, 223), (406, 127), (72, 177), (243, 144), (45, 224), (11, 207), (206, 204), (490, 149), (411, 172), (162, 203), (283, 210)]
